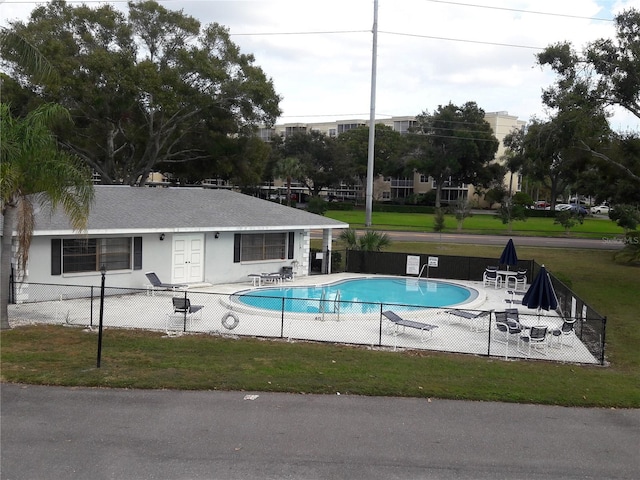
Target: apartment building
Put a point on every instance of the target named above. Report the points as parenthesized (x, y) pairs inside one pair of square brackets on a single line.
[(387, 188)]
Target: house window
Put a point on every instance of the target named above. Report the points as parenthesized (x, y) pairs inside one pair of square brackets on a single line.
[(263, 246), (89, 254)]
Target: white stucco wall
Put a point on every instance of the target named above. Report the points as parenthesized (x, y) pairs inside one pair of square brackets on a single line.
[(218, 264)]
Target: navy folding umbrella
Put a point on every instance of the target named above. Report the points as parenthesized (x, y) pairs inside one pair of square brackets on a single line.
[(509, 257), (541, 294)]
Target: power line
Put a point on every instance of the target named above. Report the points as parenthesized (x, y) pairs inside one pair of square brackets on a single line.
[(522, 11), (463, 40)]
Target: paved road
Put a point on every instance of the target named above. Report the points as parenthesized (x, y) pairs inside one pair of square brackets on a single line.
[(77, 433)]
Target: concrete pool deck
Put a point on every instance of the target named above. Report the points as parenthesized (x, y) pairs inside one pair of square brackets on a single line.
[(453, 334)]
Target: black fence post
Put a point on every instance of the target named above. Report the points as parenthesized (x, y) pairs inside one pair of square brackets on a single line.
[(91, 309), (380, 328), (12, 286), (282, 320), (602, 341), (489, 334), (103, 271), (185, 311)]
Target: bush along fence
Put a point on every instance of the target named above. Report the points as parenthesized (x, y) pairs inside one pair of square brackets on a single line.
[(327, 318)]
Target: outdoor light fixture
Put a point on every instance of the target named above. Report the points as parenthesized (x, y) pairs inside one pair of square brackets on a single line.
[(217, 235), (161, 236)]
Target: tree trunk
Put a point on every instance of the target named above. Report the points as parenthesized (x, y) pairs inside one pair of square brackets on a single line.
[(5, 265)]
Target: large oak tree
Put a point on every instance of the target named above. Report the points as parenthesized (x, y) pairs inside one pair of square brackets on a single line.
[(455, 143), (605, 74), (148, 89)]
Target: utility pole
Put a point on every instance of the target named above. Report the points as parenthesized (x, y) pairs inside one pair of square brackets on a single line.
[(372, 119)]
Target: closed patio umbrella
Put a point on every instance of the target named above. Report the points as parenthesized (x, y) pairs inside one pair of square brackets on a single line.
[(509, 257), (541, 294)]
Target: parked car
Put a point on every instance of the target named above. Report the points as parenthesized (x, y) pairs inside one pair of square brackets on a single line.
[(541, 205), (579, 209), (600, 209), (562, 206)]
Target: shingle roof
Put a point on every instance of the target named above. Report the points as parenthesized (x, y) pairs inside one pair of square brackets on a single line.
[(123, 208)]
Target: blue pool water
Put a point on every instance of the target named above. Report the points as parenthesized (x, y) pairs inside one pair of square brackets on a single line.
[(359, 295)]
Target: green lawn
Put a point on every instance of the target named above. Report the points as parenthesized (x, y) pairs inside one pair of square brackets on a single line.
[(53, 355), (479, 223)]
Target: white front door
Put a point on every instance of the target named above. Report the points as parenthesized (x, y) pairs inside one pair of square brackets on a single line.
[(188, 252)]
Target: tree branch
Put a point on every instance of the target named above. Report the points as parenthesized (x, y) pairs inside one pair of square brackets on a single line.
[(607, 159)]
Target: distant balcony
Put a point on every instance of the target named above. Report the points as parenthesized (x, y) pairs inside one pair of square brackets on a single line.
[(395, 183)]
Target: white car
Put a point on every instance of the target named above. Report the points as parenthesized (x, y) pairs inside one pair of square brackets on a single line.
[(600, 209), (562, 206)]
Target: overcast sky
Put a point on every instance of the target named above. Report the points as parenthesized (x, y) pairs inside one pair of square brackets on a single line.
[(430, 52)]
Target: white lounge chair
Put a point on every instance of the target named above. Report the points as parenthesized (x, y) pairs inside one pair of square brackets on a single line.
[(478, 321), (155, 284), (397, 321)]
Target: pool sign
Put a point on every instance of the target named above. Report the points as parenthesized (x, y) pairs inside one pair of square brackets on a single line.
[(413, 265), (433, 261)]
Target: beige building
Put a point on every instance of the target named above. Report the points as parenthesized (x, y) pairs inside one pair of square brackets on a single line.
[(387, 188)]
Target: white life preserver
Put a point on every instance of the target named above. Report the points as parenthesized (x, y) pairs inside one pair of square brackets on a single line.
[(230, 324)]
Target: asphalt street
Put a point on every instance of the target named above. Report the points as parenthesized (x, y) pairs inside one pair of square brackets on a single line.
[(80, 433)]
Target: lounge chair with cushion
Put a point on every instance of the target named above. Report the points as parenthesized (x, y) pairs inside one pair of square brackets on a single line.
[(155, 284)]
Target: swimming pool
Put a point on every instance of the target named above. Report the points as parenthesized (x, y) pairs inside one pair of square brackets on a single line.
[(359, 295)]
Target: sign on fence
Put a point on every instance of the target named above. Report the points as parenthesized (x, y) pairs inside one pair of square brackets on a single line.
[(413, 264)]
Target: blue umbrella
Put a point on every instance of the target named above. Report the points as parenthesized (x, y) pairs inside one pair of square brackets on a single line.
[(509, 257), (541, 294)]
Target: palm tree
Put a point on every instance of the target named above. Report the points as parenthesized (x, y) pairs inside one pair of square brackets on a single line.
[(29, 56), (370, 241), (34, 170), (373, 241), (350, 238), (288, 168)]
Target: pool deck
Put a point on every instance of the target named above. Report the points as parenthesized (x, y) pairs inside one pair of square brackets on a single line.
[(453, 334)]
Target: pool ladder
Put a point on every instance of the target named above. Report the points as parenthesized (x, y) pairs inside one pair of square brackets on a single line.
[(336, 304), (422, 270)]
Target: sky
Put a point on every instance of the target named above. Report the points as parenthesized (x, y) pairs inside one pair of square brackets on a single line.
[(429, 52)]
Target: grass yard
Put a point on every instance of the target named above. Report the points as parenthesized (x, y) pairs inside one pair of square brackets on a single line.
[(479, 224), (55, 355)]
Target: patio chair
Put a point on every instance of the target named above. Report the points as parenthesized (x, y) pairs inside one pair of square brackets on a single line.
[(287, 273), (565, 331), (478, 321), (183, 312), (491, 277), (506, 326), (155, 283), (520, 280), (534, 339)]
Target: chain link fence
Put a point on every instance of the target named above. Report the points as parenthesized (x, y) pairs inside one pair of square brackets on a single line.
[(322, 319)]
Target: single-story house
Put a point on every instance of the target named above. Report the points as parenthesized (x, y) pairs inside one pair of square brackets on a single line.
[(185, 235)]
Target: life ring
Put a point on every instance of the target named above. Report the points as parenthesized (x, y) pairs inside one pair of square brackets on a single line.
[(230, 324)]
